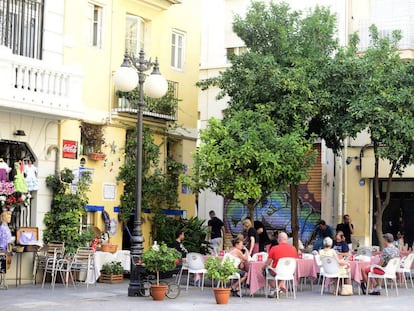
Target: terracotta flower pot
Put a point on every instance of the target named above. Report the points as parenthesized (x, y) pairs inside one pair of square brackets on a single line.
[(158, 291), (222, 295)]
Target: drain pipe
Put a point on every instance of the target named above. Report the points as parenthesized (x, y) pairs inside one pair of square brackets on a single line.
[(57, 160)]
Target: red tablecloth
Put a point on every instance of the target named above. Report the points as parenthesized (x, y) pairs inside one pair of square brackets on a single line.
[(256, 280)]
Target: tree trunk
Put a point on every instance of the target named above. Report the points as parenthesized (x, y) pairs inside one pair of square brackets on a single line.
[(294, 214), (381, 205)]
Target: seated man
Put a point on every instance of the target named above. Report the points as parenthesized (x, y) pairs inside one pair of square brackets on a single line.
[(282, 250), (390, 251)]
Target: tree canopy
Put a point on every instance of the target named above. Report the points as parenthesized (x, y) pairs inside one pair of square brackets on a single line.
[(375, 92), (246, 157)]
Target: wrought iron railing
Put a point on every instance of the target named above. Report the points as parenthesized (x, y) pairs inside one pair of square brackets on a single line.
[(21, 26), (165, 107)]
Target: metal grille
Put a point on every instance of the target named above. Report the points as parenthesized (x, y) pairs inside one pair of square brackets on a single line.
[(21, 26)]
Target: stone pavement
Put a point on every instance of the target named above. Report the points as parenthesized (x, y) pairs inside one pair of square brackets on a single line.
[(104, 297)]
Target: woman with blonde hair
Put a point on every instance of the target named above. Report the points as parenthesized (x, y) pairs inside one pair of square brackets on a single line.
[(252, 238)]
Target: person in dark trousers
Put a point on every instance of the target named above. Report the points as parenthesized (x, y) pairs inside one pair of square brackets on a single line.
[(216, 231)]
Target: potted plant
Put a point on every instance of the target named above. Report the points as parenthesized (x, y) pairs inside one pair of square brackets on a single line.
[(221, 270), (160, 258), (112, 273), (92, 140)]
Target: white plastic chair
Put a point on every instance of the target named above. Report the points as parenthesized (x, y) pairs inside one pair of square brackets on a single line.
[(285, 271), (195, 265), (179, 275), (405, 268), (318, 262), (331, 270), (236, 276), (390, 273)]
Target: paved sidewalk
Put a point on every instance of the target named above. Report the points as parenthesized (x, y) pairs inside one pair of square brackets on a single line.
[(112, 297)]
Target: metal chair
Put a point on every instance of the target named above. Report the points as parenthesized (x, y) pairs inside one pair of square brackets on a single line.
[(84, 262), (50, 268), (390, 273)]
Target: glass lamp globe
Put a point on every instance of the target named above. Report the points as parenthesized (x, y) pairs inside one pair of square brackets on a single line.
[(155, 86), (125, 79)]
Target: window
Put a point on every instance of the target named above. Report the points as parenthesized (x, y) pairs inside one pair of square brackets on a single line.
[(135, 28), (95, 25), (177, 50), (21, 27), (235, 51)]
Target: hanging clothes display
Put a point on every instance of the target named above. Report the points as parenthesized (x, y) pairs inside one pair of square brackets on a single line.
[(19, 181), (31, 176)]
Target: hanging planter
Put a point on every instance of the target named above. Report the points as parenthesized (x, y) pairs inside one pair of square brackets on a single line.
[(97, 156)]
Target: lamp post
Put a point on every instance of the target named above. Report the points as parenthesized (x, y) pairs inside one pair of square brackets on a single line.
[(126, 79)]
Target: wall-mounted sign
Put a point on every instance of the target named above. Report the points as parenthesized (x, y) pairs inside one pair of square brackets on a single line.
[(109, 191), (70, 149)]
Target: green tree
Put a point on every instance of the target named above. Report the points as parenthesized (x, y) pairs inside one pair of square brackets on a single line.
[(375, 92), (246, 157), (282, 71)]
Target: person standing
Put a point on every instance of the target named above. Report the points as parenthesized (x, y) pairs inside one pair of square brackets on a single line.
[(347, 228), (252, 238), (263, 236), (216, 232)]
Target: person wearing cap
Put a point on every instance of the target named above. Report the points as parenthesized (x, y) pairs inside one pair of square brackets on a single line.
[(321, 231), (389, 252)]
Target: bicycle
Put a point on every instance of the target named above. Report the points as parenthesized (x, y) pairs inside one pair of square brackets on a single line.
[(173, 289)]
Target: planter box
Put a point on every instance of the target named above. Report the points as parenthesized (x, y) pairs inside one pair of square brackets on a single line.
[(97, 156), (111, 278)]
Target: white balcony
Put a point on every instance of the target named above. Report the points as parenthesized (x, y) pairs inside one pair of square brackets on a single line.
[(385, 28), (31, 85)]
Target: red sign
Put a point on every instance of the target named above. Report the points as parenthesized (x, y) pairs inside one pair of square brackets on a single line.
[(70, 149)]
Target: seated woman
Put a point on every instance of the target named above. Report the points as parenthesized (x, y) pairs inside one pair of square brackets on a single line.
[(328, 251), (237, 251), (340, 244)]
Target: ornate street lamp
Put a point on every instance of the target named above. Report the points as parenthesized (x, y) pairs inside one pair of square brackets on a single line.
[(126, 79)]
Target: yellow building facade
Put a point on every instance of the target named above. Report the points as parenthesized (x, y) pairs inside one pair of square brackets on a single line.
[(97, 43)]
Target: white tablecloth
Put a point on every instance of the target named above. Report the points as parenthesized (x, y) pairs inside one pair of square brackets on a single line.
[(102, 258)]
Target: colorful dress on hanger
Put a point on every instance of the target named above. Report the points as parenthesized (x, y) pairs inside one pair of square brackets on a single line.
[(20, 183), (31, 177)]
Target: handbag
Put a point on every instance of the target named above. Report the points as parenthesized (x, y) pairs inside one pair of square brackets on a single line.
[(347, 290)]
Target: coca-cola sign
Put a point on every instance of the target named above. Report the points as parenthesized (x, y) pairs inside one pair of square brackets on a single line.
[(70, 149)]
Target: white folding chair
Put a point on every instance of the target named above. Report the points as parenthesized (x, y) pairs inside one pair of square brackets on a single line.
[(195, 265), (318, 262), (390, 273), (285, 271), (405, 268), (331, 270)]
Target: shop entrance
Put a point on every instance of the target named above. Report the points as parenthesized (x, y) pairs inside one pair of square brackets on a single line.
[(399, 215)]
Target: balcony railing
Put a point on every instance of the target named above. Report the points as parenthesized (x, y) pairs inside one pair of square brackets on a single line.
[(32, 85), (385, 28), (163, 108)]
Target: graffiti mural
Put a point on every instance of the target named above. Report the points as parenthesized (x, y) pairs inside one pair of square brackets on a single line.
[(275, 213)]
